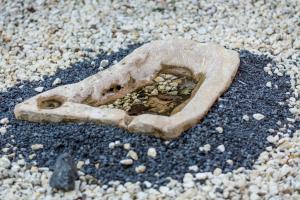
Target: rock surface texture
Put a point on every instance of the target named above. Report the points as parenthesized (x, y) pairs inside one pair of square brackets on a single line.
[(65, 174), (209, 69)]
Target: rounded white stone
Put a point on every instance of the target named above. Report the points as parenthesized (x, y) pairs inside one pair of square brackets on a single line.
[(152, 152), (126, 162)]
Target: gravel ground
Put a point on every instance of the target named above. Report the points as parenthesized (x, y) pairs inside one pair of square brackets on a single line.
[(39, 38)]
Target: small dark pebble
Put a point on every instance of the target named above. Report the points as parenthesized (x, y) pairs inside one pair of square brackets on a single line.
[(65, 173)]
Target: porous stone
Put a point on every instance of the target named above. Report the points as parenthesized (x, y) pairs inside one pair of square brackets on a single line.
[(211, 66)]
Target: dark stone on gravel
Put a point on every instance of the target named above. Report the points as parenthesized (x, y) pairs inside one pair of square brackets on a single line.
[(243, 141), (65, 173)]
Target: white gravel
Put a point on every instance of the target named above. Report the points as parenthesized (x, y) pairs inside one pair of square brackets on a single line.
[(39, 89), (258, 116), (152, 152), (39, 37), (219, 129), (132, 154), (126, 162)]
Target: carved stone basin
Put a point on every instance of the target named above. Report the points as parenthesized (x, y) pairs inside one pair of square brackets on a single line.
[(161, 88)]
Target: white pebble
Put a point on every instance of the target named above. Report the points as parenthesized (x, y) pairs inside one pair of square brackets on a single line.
[(117, 143), (194, 168), (229, 162), (219, 129), (39, 89), (201, 176), (206, 148), (269, 84), (80, 164), (246, 117), (296, 43), (270, 30), (126, 146), (35, 147), (4, 121), (3, 130), (126, 162), (273, 139), (217, 171), (221, 148), (57, 81), (258, 116), (152, 152), (147, 184), (4, 162), (132, 154), (111, 145), (104, 63), (140, 169)]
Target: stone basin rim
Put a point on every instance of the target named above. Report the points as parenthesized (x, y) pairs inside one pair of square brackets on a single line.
[(217, 63)]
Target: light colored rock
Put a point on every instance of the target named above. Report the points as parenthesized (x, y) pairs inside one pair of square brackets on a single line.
[(258, 116), (152, 152), (221, 148), (219, 129), (79, 164), (111, 145), (35, 147), (104, 63), (57, 81), (80, 101), (297, 43), (127, 146), (4, 162), (217, 171), (246, 117), (126, 162), (201, 176), (4, 121), (140, 169), (39, 89), (3, 130), (193, 168), (206, 148), (132, 154)]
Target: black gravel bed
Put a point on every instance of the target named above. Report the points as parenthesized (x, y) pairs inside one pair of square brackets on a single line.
[(243, 141)]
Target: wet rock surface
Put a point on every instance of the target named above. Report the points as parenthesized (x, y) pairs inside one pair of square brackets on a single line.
[(243, 140), (65, 174)]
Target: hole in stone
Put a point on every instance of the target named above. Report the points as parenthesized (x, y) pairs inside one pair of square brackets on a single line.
[(113, 88), (168, 92), (49, 103)]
